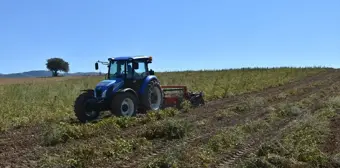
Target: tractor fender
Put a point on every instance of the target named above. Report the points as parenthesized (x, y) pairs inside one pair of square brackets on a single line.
[(87, 90), (90, 91), (146, 82), (128, 90)]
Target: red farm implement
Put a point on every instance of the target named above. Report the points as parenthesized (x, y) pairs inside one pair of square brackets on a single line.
[(175, 95)]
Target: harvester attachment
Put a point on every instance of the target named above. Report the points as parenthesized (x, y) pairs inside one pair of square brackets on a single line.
[(175, 95)]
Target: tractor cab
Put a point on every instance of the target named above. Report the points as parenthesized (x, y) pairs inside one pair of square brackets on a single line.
[(126, 72), (128, 68)]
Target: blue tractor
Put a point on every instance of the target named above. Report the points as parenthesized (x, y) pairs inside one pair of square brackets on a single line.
[(129, 87)]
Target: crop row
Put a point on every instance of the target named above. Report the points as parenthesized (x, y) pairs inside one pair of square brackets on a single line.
[(35, 103)]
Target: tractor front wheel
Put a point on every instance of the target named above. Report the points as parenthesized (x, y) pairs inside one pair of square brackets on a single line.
[(124, 104), (82, 107)]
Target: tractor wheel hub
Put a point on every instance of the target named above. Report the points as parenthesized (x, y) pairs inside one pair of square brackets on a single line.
[(125, 107)]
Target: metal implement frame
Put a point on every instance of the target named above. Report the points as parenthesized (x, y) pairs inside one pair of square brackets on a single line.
[(175, 100)]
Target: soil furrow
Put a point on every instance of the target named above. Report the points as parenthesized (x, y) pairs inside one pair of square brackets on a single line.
[(332, 144), (215, 105), (205, 111), (210, 129), (229, 159), (28, 142)]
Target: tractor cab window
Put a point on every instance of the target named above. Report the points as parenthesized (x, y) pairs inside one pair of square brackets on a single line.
[(139, 73), (116, 69)]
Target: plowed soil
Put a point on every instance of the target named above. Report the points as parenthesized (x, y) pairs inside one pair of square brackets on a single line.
[(22, 147), (332, 145), (211, 127)]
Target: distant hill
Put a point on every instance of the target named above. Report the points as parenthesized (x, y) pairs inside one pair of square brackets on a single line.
[(42, 73)]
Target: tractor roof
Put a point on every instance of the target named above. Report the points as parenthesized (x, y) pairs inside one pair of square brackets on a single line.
[(131, 58)]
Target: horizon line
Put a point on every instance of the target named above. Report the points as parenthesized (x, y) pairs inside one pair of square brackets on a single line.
[(184, 70)]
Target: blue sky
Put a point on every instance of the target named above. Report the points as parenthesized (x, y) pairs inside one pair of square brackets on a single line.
[(179, 34)]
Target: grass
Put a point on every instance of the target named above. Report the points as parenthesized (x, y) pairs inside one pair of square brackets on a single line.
[(83, 155), (48, 107), (222, 142), (219, 84), (300, 144), (278, 154), (55, 133), (34, 103), (168, 129)]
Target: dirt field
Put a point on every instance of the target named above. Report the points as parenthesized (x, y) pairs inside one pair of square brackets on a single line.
[(293, 124)]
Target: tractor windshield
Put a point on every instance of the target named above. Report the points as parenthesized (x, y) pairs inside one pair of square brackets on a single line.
[(116, 69)]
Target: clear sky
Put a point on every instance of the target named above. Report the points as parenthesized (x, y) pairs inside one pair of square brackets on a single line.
[(179, 34)]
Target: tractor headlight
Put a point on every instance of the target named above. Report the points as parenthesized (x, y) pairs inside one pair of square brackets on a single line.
[(104, 94)]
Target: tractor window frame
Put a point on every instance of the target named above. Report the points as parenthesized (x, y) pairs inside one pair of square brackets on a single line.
[(142, 65), (122, 69)]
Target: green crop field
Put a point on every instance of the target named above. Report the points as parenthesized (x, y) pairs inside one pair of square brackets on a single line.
[(275, 117)]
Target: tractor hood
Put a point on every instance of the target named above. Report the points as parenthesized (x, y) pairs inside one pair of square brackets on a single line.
[(102, 87)]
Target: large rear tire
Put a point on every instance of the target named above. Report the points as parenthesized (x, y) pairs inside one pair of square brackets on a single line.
[(81, 107), (124, 104), (154, 96)]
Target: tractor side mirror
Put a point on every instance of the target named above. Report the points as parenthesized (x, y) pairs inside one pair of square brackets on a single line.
[(151, 72), (96, 66), (135, 65)]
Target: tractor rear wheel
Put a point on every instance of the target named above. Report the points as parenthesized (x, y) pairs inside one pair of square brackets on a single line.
[(124, 104), (153, 98), (82, 108)]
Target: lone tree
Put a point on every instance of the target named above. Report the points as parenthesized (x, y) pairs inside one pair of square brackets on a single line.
[(57, 64)]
